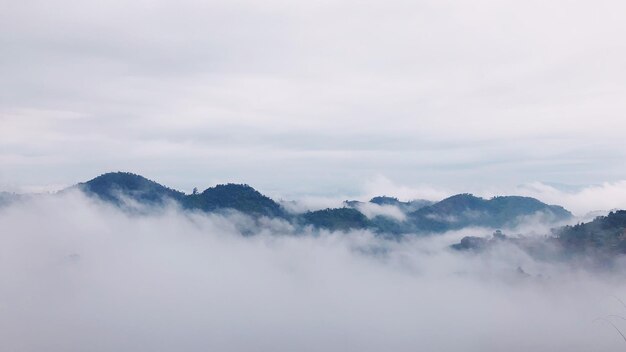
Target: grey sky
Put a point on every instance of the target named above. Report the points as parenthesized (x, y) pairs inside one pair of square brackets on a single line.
[(313, 97)]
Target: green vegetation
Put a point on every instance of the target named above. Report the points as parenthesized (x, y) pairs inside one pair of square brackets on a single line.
[(422, 216), (605, 233), (342, 219), (118, 187), (232, 196), (600, 240), (114, 187), (464, 210)]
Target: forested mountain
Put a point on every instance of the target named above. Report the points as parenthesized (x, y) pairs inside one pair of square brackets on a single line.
[(232, 196), (600, 240), (336, 219), (421, 216), (391, 201), (119, 187), (464, 210), (606, 234), (409, 206)]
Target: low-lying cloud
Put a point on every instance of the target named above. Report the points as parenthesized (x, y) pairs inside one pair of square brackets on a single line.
[(580, 200), (78, 275), (605, 196), (372, 210)]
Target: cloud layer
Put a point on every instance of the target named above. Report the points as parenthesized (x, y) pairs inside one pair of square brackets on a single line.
[(79, 275), (330, 93)]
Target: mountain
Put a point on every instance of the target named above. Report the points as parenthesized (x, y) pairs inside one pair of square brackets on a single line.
[(419, 216), (409, 206), (232, 196), (606, 234), (464, 210), (118, 187), (406, 207), (452, 213), (338, 219), (597, 242)]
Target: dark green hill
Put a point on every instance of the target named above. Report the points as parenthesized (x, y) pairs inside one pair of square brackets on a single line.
[(598, 242), (342, 219), (605, 233), (421, 216), (464, 210), (409, 206), (118, 187), (115, 187), (233, 196)]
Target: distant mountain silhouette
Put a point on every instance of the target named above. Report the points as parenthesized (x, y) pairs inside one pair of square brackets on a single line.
[(409, 206), (118, 187), (336, 219), (232, 196), (605, 233), (464, 210), (599, 242), (421, 216)]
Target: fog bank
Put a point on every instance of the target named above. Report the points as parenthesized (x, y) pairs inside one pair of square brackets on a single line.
[(82, 276)]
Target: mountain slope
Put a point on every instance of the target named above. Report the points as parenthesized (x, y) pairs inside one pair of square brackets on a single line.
[(455, 212), (232, 196), (409, 206), (467, 210), (605, 233), (118, 187), (598, 242), (338, 219)]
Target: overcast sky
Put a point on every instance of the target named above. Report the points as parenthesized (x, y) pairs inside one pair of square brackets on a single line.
[(315, 97)]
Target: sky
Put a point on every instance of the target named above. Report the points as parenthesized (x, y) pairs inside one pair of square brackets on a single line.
[(319, 98)]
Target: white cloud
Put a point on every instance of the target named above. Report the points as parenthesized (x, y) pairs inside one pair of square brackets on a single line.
[(311, 203), (381, 185), (448, 93), (81, 275), (602, 197), (371, 210)]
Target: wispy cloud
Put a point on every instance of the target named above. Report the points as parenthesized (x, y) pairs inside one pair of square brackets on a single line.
[(602, 197)]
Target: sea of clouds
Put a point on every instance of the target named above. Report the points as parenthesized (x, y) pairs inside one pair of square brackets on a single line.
[(79, 275)]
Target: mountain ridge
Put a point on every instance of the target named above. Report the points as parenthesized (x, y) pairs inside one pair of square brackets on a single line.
[(422, 216)]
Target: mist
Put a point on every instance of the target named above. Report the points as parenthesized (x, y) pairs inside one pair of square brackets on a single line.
[(79, 275)]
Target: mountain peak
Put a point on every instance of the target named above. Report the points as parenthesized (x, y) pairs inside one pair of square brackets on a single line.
[(385, 200), (421, 216), (466, 209), (240, 197), (115, 186)]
